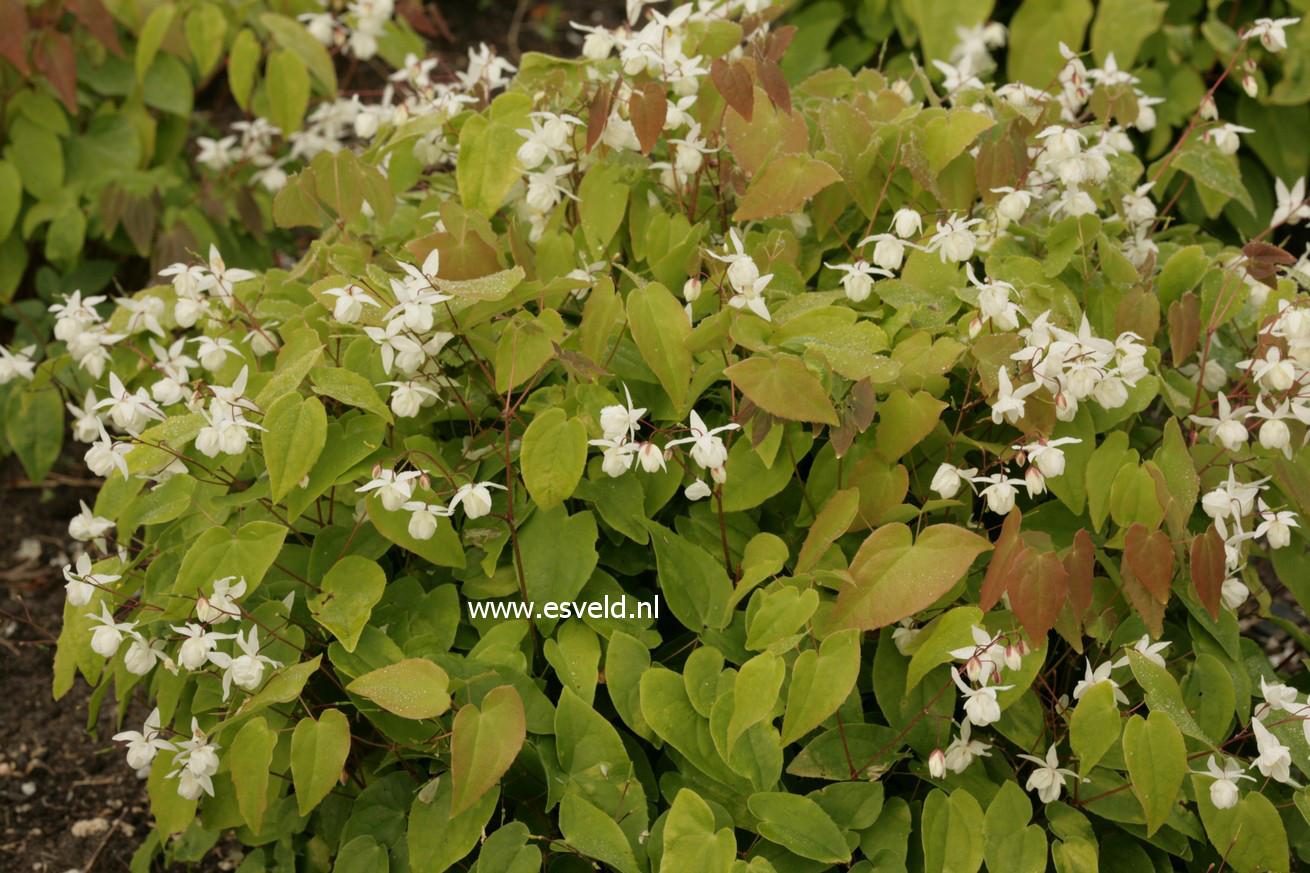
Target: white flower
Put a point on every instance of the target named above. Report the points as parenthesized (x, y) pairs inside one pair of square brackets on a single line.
[(350, 304), (1278, 697), (1095, 677), (1270, 32), (954, 241), (423, 518), (142, 655), (246, 670), (743, 273), (1226, 137), (994, 301), (1234, 592), (697, 490), (904, 634), (1226, 427), (1151, 651), (907, 223), (1223, 790), (1275, 759), (999, 491), (197, 643), (392, 488), (1014, 204), (980, 704), (105, 456), (707, 448), (197, 761), (87, 526), (1009, 402), (475, 498), (1048, 779), (80, 583), (106, 639), (937, 764), (962, 751), (1292, 206), (650, 457), (946, 481), (221, 605), (621, 420), (1276, 527), (408, 397), (1047, 454), (858, 281), (618, 458), (984, 658), (129, 410), (143, 745)]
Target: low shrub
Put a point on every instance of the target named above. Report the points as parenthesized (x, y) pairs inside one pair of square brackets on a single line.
[(947, 464)]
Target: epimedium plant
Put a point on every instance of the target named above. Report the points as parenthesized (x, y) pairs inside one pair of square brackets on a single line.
[(952, 463)]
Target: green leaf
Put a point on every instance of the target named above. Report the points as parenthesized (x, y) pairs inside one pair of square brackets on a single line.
[(602, 201), (1157, 763), (820, 682), (438, 840), (350, 388), (594, 834), (1094, 726), (893, 576), (172, 812), (319, 748), (442, 548), (799, 825), (242, 64), (953, 630), (484, 743), (488, 164), (552, 457), (205, 28), (691, 842), (783, 386), (337, 182), (904, 420), (34, 429), (250, 757), (11, 197), (287, 80), (832, 521), (218, 552), (783, 186), (1009, 842), (295, 431), (1122, 26), (1250, 836), (1214, 171), (507, 851), (952, 832), (660, 330), (291, 35), (947, 135), (414, 688), (152, 37), (692, 582), (363, 854), (349, 591), (1036, 31), (756, 690), (1162, 694)]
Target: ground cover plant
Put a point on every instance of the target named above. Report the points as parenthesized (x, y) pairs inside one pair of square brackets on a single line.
[(943, 457)]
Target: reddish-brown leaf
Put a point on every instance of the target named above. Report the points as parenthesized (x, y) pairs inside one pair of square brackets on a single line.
[(777, 43), (734, 83), (1208, 566), (864, 403), (774, 84), (1264, 253), (1143, 601), (1151, 558), (13, 35), (647, 110), (58, 63), (1000, 569), (1184, 327), (1080, 563), (1039, 586), (96, 19), (598, 115)]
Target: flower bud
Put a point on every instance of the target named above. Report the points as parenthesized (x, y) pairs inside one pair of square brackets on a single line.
[(1252, 89), (937, 764), (691, 289)]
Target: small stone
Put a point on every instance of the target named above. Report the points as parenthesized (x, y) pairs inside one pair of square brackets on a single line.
[(28, 788)]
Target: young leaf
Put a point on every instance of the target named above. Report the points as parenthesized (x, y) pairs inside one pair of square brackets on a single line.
[(318, 752), (250, 757), (414, 688), (1093, 726), (1157, 763), (349, 591), (484, 743), (553, 454), (295, 430), (820, 682)]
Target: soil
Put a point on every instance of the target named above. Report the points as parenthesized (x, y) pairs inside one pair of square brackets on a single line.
[(68, 800)]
